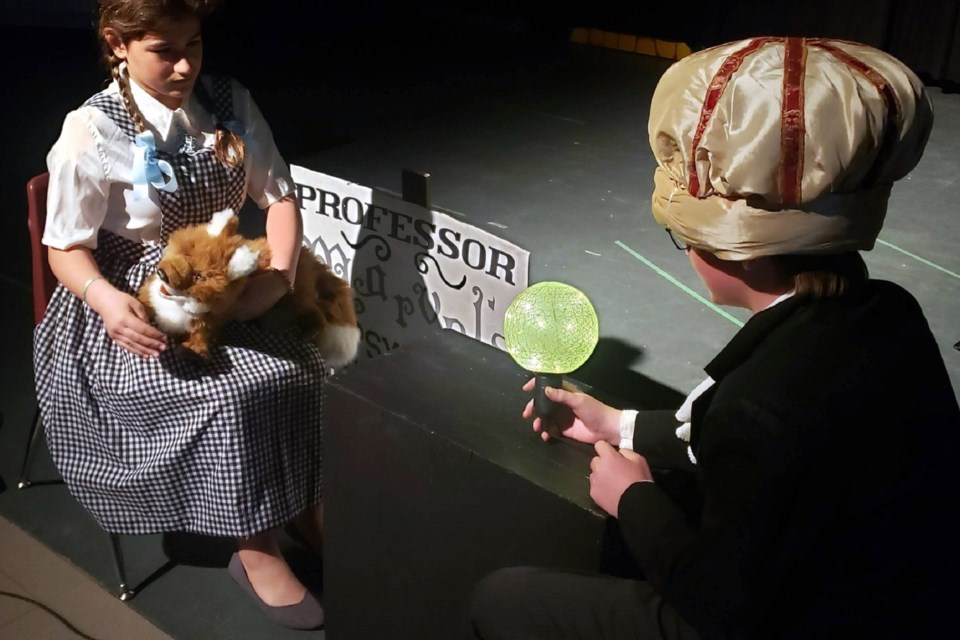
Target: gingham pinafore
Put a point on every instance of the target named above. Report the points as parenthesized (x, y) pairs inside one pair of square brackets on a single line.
[(227, 447)]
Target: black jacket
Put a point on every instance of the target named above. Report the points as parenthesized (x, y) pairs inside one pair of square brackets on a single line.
[(828, 472)]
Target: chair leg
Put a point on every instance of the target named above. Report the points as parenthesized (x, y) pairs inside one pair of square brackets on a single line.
[(31, 453), (126, 593)]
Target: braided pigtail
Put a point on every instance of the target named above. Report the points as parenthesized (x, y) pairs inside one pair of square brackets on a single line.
[(128, 102), (228, 146)]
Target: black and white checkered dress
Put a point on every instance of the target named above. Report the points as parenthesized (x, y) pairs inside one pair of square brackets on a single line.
[(231, 446)]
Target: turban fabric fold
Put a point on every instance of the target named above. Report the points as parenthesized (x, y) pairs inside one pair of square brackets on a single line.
[(775, 146)]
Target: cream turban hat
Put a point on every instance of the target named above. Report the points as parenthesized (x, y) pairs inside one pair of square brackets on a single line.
[(783, 145)]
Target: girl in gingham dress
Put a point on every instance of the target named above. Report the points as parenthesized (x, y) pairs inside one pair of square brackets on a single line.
[(146, 439)]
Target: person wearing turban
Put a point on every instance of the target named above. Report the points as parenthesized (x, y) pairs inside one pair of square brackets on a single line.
[(821, 440)]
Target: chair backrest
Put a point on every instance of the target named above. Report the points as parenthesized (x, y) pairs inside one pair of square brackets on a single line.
[(44, 282)]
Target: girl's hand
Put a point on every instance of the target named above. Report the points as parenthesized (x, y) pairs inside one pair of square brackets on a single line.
[(126, 320), (261, 292), (579, 416)]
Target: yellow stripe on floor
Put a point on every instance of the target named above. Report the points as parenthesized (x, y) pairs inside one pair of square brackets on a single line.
[(631, 43)]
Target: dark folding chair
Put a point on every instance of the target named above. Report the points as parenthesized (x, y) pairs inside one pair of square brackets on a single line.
[(44, 282)]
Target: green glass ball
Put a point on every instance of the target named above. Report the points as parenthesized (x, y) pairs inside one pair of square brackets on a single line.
[(551, 327)]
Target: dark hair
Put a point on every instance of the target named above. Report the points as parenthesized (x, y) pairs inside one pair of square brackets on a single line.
[(824, 276), (131, 20)]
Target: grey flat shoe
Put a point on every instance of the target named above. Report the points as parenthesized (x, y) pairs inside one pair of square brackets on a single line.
[(306, 614)]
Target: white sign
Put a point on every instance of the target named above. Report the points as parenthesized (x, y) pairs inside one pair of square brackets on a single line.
[(412, 269)]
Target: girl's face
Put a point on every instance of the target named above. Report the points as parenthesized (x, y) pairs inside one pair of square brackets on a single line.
[(165, 62)]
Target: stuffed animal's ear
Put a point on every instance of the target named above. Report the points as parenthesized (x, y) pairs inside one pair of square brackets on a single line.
[(223, 223), (243, 262)]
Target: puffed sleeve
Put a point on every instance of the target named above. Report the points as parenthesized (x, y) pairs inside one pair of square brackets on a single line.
[(78, 189), (268, 175)]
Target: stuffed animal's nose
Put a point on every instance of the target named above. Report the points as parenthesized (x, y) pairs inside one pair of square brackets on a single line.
[(163, 276)]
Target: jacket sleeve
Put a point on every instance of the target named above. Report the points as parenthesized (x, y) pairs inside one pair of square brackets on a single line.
[(717, 575), (655, 438)]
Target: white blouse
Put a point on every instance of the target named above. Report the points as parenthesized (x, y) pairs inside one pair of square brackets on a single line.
[(92, 166)]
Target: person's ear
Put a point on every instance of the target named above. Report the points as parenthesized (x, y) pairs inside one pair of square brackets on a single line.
[(115, 43)]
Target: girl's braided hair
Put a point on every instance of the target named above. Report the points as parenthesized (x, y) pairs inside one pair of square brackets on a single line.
[(131, 20)]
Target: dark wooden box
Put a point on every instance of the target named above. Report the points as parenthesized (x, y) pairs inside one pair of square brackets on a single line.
[(432, 480)]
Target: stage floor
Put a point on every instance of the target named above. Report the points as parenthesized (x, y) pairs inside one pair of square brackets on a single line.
[(554, 157)]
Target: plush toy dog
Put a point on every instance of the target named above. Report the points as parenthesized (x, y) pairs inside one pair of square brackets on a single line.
[(203, 271)]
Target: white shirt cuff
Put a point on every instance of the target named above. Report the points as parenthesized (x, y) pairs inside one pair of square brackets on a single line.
[(628, 419)]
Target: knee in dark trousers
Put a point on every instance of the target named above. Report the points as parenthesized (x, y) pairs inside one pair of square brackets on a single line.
[(497, 603), (532, 603)]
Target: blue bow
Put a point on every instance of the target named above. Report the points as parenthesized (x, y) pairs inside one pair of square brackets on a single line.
[(148, 169)]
